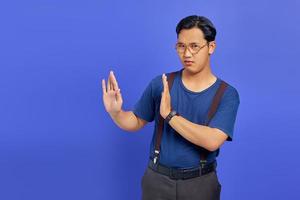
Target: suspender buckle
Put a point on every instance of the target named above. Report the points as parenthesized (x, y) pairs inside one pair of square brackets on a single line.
[(155, 159), (156, 152), (202, 163)]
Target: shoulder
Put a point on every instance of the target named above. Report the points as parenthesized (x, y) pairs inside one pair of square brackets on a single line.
[(154, 85), (231, 93), (157, 79), (157, 84)]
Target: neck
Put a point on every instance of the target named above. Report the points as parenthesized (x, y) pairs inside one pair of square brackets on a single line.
[(199, 79)]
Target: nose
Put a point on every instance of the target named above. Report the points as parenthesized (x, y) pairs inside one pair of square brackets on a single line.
[(187, 53)]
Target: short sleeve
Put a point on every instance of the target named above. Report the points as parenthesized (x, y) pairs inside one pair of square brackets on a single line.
[(145, 106), (225, 116)]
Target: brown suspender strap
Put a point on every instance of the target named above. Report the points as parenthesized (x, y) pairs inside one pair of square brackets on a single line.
[(212, 111), (170, 80), (216, 101)]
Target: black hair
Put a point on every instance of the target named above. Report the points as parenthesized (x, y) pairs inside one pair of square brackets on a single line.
[(201, 22)]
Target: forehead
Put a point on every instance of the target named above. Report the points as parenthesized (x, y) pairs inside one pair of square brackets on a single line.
[(191, 35)]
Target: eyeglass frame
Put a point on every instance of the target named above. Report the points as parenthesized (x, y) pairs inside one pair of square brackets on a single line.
[(188, 47)]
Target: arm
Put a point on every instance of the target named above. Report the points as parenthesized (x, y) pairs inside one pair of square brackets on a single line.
[(128, 121), (204, 136)]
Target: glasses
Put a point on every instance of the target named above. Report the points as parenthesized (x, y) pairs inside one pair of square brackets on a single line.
[(194, 48)]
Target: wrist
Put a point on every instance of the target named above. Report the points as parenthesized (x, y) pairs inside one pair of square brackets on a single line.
[(171, 115), (114, 115), (166, 115)]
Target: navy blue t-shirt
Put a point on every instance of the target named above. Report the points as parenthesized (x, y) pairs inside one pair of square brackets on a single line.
[(175, 150)]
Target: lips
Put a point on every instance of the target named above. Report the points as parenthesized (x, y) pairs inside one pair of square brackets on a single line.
[(188, 62)]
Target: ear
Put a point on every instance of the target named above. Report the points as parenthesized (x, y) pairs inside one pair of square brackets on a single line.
[(211, 47)]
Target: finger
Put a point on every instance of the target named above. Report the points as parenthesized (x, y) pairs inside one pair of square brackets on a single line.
[(108, 84), (103, 86), (162, 98), (119, 95), (163, 80), (111, 81), (165, 83), (114, 81)]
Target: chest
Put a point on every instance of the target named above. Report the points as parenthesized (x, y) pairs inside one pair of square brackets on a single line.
[(193, 108)]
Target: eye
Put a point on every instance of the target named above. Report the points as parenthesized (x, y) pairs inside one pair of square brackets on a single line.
[(194, 46), (180, 45)]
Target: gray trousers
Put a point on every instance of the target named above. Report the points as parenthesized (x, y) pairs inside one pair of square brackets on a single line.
[(156, 186)]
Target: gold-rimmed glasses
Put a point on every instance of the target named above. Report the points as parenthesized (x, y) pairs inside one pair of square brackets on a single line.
[(194, 48)]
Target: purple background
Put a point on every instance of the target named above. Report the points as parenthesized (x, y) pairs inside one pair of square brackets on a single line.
[(58, 142)]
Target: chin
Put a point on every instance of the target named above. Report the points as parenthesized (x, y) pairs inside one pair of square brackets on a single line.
[(193, 69), (189, 68)]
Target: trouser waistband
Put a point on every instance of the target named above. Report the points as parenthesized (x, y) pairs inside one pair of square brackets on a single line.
[(176, 173)]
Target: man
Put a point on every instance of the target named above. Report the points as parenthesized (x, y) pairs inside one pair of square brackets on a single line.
[(184, 147)]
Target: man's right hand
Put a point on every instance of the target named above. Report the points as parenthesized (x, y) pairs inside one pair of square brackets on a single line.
[(112, 97)]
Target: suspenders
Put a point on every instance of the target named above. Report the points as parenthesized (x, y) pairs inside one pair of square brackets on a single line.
[(213, 108)]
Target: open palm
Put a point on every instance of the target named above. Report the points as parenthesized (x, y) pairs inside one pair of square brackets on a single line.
[(112, 97)]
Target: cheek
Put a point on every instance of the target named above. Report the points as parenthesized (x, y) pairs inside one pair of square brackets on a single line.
[(181, 57), (201, 58)]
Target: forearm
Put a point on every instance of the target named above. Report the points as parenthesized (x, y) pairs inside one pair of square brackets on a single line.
[(200, 135), (126, 120)]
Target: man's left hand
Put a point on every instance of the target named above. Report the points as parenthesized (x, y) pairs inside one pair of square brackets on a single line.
[(165, 102)]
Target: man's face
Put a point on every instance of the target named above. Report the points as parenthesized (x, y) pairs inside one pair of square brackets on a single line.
[(193, 50)]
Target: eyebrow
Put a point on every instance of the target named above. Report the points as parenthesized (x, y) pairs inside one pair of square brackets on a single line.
[(190, 42)]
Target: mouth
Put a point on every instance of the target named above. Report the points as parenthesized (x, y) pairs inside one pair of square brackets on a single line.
[(188, 62)]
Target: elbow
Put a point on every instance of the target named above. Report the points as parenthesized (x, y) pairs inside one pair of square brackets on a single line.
[(135, 128), (132, 129), (217, 140), (213, 146)]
